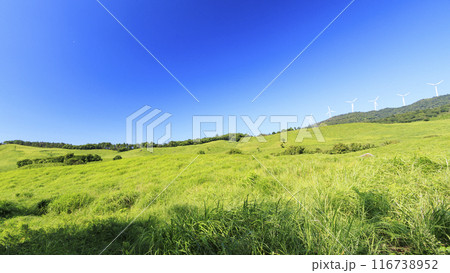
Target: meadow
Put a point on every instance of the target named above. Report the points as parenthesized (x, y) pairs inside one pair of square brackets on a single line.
[(256, 201)]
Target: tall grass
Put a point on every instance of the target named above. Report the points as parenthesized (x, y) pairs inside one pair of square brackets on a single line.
[(393, 203)]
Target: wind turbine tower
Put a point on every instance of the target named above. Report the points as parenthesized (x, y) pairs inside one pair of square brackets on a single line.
[(435, 87), (352, 102), (403, 97), (329, 113), (375, 103)]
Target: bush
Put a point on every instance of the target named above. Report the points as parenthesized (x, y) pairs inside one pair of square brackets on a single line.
[(74, 161), (24, 162), (201, 152), (295, 150), (68, 159), (340, 148), (234, 151), (117, 157)]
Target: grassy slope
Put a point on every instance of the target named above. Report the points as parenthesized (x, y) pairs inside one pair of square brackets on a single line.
[(394, 211)]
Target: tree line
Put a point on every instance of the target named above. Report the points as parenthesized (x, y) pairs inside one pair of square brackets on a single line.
[(124, 146)]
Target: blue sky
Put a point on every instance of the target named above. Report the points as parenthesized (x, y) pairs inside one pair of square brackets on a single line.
[(70, 73)]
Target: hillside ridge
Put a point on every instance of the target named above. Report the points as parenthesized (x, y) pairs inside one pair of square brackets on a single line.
[(376, 116)]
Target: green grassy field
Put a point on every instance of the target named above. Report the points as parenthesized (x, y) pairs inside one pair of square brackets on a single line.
[(257, 202)]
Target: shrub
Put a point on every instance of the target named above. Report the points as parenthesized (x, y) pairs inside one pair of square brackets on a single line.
[(234, 151), (340, 148), (24, 162), (68, 159), (117, 157), (201, 152), (295, 150), (74, 161)]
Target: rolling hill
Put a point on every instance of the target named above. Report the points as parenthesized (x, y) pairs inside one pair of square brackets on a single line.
[(388, 114), (254, 201)]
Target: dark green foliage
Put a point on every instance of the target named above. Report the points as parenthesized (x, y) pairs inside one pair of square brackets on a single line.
[(42, 206), (421, 110), (294, 150), (73, 161), (439, 218), (234, 151), (125, 146), (104, 145), (24, 162), (68, 159), (10, 209), (117, 157), (419, 115), (342, 148), (201, 152)]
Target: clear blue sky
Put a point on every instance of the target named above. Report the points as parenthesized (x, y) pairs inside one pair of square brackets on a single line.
[(70, 73)]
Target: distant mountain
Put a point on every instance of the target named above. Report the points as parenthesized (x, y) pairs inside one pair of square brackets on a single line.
[(423, 108)]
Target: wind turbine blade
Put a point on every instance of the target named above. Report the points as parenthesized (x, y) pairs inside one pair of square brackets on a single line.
[(439, 82)]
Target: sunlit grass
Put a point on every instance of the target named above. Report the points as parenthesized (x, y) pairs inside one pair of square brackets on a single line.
[(395, 202)]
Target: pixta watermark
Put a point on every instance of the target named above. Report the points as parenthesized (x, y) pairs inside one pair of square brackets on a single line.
[(142, 124)]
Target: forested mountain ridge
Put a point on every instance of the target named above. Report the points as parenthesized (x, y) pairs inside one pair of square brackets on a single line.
[(424, 108)]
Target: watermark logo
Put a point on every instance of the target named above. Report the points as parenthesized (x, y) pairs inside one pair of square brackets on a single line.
[(141, 127), (309, 125)]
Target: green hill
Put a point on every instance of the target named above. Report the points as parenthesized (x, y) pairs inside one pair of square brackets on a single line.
[(388, 114), (203, 200)]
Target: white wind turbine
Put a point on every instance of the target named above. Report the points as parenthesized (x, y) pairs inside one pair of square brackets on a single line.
[(403, 97), (352, 102), (375, 103), (329, 113), (435, 87)]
